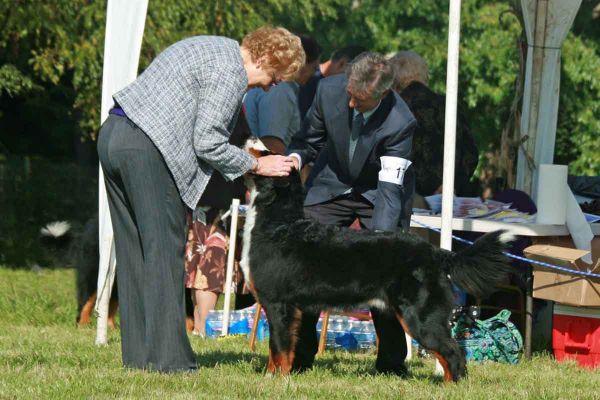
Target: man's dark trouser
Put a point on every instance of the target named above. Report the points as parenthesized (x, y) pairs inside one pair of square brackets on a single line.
[(342, 211), (148, 220)]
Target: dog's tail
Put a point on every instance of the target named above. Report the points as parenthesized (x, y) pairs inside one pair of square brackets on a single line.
[(478, 268), (56, 235), (56, 229)]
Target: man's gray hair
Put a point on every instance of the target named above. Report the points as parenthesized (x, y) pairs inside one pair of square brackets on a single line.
[(370, 73), (408, 67)]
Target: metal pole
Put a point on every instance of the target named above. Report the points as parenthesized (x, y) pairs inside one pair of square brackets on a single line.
[(450, 131), (235, 209), (450, 124)]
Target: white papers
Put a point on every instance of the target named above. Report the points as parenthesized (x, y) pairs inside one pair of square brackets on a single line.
[(466, 207)]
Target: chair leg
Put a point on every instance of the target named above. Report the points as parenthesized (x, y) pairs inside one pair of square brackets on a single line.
[(255, 326), (323, 337)]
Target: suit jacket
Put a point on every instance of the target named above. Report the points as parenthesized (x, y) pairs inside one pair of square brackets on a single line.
[(325, 138), (187, 101)]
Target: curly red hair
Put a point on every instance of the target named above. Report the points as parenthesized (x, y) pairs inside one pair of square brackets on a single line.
[(280, 50)]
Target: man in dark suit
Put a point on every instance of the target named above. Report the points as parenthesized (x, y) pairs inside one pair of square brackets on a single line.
[(359, 132)]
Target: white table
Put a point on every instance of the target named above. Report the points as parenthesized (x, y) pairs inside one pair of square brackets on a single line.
[(486, 225)]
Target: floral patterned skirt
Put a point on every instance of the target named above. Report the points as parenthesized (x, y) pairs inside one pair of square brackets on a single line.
[(206, 252)]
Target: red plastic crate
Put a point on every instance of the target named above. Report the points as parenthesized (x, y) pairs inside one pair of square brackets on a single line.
[(576, 335)]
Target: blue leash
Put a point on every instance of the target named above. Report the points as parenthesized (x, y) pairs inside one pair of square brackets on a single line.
[(551, 266)]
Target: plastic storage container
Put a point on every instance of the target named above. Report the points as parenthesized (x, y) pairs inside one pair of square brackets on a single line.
[(576, 335)]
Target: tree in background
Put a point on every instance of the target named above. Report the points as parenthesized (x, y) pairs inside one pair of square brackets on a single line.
[(51, 60)]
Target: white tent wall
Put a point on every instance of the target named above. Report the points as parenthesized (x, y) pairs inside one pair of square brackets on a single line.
[(125, 21), (547, 23)]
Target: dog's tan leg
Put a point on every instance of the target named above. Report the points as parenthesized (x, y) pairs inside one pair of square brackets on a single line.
[(85, 316), (113, 305), (448, 378), (403, 324), (275, 362), (288, 358), (444, 363)]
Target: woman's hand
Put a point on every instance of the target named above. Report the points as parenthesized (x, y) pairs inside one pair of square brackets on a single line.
[(273, 165)]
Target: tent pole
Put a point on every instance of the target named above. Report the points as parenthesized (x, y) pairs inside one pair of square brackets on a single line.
[(450, 131), (122, 45)]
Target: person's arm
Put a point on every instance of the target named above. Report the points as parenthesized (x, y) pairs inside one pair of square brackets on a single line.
[(391, 191), (311, 138), (225, 89), (277, 111), (211, 137)]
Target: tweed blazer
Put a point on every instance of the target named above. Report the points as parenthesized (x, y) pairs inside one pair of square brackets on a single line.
[(187, 102)]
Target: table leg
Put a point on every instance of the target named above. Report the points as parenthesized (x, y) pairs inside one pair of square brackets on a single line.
[(528, 313)]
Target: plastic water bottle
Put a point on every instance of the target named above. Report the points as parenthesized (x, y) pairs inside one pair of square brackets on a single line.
[(214, 323), (319, 328), (336, 327), (237, 324), (364, 333), (344, 338), (262, 332), (248, 317)]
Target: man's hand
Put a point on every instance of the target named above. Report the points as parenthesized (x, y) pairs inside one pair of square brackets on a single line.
[(274, 165), (296, 162)]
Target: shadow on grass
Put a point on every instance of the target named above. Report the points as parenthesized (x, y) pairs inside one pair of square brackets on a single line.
[(337, 367), (213, 358)]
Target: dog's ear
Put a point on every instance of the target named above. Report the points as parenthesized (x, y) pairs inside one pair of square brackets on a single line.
[(256, 148), (281, 182)]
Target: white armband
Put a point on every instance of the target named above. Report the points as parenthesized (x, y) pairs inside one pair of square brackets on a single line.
[(393, 169), (297, 157)]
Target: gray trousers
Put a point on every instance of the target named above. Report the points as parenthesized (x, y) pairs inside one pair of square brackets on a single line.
[(148, 220)]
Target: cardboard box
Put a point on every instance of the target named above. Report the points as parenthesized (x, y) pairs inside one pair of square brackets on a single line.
[(562, 287)]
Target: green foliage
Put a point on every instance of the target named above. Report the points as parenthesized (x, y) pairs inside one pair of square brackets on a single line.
[(60, 44), (13, 82), (579, 107)]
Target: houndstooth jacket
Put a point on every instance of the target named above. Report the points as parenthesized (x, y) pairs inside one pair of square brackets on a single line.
[(187, 101)]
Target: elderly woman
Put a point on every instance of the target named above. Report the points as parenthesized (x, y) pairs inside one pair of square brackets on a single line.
[(428, 107), (167, 134)]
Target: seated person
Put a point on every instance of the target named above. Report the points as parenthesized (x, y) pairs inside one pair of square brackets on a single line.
[(274, 116), (359, 132), (428, 107)]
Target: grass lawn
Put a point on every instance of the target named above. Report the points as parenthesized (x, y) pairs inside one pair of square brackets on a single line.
[(43, 356)]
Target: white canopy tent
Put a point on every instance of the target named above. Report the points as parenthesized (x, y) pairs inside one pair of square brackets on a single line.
[(547, 23), (122, 44), (124, 32)]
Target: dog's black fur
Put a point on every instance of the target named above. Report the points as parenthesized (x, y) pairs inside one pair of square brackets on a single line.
[(79, 248), (298, 264)]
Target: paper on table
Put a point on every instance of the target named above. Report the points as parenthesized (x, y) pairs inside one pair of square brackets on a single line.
[(578, 226)]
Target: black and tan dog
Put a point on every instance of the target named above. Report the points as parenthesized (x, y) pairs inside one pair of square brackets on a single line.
[(296, 264)]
